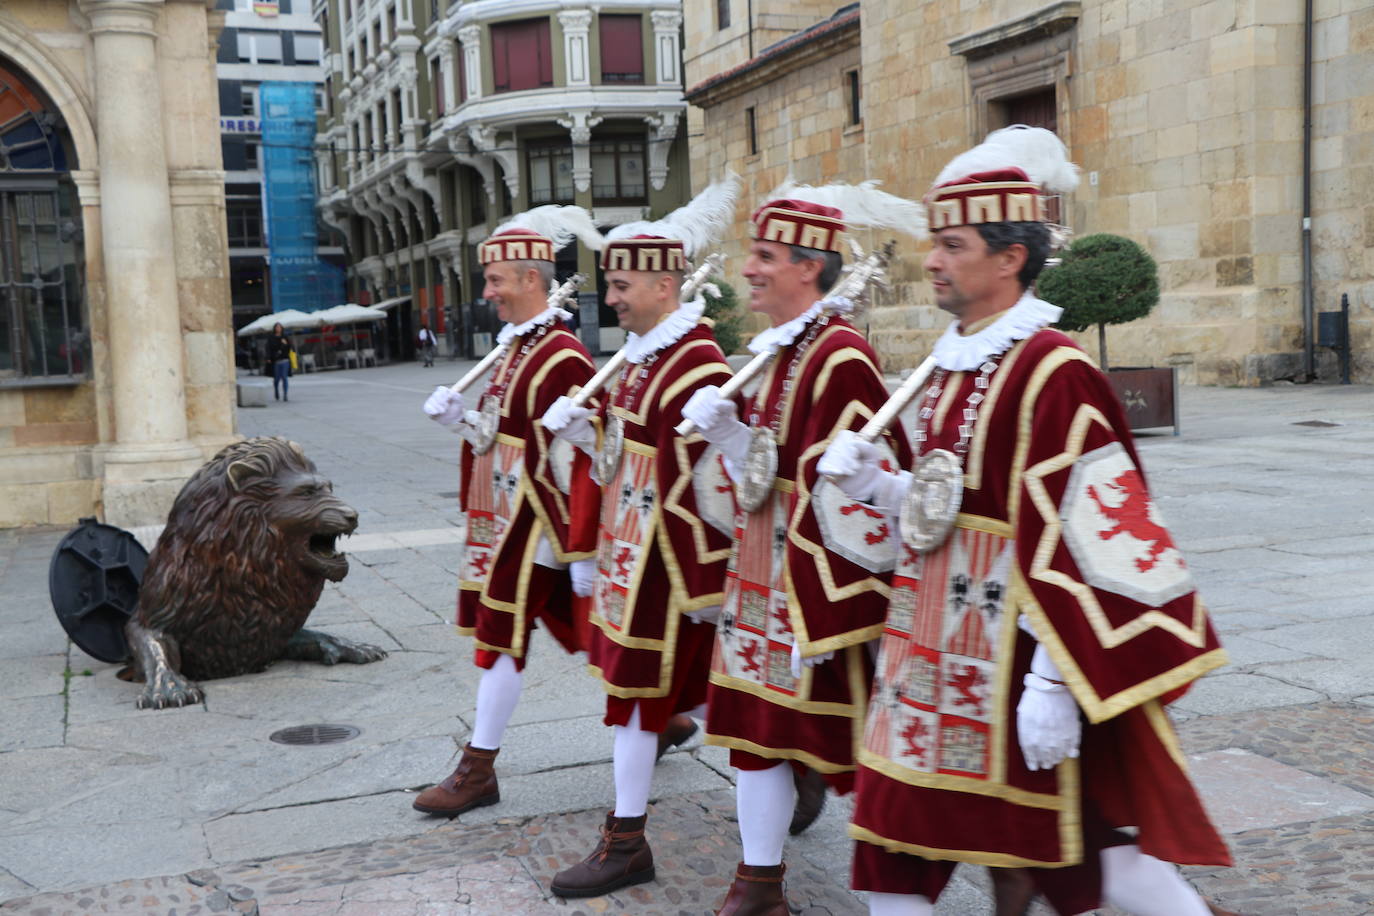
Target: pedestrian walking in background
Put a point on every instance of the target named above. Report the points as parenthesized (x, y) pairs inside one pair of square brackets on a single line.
[(279, 351), (428, 344)]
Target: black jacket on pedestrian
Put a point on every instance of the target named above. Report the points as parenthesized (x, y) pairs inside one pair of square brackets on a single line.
[(279, 348)]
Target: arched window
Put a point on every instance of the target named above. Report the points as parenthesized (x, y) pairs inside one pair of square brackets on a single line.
[(43, 332)]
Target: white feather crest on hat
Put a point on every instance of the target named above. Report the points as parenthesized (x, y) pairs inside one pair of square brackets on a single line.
[(1034, 150), (863, 205), (697, 225), (559, 224)]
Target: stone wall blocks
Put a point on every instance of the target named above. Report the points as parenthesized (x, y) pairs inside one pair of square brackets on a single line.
[(1173, 243), (1358, 148), (23, 505), (1214, 18), (1275, 233), (71, 500), (1347, 77)]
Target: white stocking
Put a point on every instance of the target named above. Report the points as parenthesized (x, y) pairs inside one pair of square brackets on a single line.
[(497, 693), (764, 800), (898, 905), (1145, 886), (634, 757)]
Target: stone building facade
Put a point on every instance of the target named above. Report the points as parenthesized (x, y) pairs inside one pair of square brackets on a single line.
[(116, 357), (447, 117), (1187, 119)]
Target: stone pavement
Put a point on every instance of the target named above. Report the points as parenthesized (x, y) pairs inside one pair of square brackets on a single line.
[(108, 809)]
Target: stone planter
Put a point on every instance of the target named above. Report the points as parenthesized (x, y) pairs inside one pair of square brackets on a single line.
[(1149, 395)]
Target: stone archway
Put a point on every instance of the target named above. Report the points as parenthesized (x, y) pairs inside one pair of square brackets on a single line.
[(51, 78), (44, 327)]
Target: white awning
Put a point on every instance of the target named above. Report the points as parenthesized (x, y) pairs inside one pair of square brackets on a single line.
[(348, 313), (388, 303), (290, 319)]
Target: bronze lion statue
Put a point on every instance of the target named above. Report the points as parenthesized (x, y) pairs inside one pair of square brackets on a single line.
[(251, 538)]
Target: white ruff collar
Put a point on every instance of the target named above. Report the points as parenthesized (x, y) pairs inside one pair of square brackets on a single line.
[(956, 352), (775, 338), (548, 316), (667, 332)]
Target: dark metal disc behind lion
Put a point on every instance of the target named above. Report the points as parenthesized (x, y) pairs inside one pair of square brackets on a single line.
[(93, 581)]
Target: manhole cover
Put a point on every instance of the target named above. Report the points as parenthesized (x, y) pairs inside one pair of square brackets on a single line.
[(1319, 423), (315, 734)]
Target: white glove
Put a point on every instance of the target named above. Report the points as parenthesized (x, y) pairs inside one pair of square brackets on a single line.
[(810, 661), (718, 422), (569, 422), (705, 615), (1047, 720), (445, 407), (853, 464), (583, 574)]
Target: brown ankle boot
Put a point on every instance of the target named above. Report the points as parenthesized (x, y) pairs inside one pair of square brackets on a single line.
[(756, 891), (810, 799), (471, 785), (679, 728), (623, 857), (1012, 890)]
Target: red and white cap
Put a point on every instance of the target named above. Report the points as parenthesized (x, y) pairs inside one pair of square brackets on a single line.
[(666, 244), (538, 234), (1002, 180), (799, 222), (817, 217)]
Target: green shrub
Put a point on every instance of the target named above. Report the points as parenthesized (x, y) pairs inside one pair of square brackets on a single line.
[(724, 311), (1103, 279)]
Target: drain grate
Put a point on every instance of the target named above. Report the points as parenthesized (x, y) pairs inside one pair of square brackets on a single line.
[(1318, 423), (448, 494), (315, 734)]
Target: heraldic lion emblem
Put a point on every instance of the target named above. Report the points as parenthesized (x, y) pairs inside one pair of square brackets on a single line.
[(248, 545)]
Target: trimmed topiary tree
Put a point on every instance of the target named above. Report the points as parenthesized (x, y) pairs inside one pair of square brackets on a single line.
[(724, 311), (1103, 279)]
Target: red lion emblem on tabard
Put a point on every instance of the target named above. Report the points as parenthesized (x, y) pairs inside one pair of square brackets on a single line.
[(1132, 517)]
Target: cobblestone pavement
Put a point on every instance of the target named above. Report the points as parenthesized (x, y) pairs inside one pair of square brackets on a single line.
[(111, 810)]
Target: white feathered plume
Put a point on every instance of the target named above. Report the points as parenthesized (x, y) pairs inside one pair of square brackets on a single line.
[(698, 225), (560, 224), (1033, 150), (863, 205)]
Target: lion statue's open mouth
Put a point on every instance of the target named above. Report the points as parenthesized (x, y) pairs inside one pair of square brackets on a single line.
[(322, 554)]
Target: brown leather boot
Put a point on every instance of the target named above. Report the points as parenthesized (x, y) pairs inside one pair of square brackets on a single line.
[(810, 799), (471, 785), (756, 891), (1012, 889), (1218, 911), (679, 728), (623, 857)]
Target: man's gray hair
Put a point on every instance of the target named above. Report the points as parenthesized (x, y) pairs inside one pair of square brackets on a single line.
[(545, 268), (830, 270)]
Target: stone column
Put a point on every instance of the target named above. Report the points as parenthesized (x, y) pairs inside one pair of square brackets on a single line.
[(576, 49), (471, 38), (446, 76), (667, 46), (151, 456)]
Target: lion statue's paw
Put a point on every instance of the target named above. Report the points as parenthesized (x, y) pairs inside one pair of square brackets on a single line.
[(169, 690), (314, 646)]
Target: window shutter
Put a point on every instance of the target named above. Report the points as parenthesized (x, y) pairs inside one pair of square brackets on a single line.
[(622, 49)]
